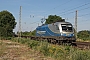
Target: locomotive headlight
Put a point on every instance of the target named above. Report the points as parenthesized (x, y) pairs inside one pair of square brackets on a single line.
[(73, 34), (63, 34), (67, 34)]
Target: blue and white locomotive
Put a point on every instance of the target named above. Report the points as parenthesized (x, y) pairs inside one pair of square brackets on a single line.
[(63, 30)]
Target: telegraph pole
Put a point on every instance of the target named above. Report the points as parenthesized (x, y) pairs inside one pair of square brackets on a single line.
[(76, 24), (19, 33)]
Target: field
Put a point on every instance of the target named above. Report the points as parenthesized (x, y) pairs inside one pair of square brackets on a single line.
[(26, 49), (15, 51)]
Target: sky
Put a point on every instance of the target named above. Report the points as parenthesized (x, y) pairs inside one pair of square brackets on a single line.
[(33, 11)]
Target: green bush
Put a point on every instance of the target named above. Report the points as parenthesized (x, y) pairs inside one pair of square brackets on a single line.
[(33, 44), (55, 51), (44, 48), (81, 55), (84, 35)]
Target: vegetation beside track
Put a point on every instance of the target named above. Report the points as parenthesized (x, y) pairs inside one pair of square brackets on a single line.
[(55, 51), (84, 35), (10, 50)]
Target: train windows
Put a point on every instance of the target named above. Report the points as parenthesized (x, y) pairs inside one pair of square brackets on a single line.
[(64, 28), (67, 27)]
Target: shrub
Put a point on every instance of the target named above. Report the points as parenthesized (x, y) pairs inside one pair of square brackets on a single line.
[(33, 44), (44, 48), (81, 55), (55, 51)]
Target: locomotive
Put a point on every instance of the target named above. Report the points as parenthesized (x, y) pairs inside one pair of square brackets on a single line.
[(57, 32)]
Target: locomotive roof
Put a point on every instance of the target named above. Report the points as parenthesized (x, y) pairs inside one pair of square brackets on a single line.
[(44, 25), (63, 22)]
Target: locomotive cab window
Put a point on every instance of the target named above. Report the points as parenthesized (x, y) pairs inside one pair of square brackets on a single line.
[(67, 27)]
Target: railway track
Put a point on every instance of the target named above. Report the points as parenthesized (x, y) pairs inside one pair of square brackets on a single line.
[(82, 45), (77, 44)]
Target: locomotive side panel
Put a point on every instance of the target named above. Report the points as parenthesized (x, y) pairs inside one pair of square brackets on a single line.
[(46, 31)]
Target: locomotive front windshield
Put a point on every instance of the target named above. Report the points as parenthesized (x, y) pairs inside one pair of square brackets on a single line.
[(67, 27)]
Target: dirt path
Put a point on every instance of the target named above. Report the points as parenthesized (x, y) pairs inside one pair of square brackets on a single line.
[(14, 51)]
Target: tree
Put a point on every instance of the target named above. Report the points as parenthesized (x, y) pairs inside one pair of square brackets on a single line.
[(85, 34), (53, 18), (7, 23)]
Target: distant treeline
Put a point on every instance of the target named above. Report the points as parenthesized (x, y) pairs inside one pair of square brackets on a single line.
[(84, 35), (26, 33)]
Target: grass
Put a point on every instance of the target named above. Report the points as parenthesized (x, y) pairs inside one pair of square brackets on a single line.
[(55, 51), (10, 50), (2, 48)]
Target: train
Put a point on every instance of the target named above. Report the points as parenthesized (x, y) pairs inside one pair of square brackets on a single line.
[(58, 32)]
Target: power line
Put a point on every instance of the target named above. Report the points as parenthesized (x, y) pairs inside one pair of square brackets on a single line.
[(69, 13), (34, 22), (81, 15), (84, 8), (70, 10), (63, 3), (84, 15), (74, 8), (60, 5), (74, 11), (84, 20)]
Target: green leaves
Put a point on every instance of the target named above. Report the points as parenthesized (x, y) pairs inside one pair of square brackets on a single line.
[(53, 18), (85, 35), (7, 22), (26, 33)]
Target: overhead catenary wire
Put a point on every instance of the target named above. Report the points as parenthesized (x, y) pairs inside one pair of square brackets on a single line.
[(84, 20), (63, 4), (69, 18), (78, 11), (58, 6), (84, 15), (65, 12), (35, 22), (70, 11), (74, 8), (74, 11)]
